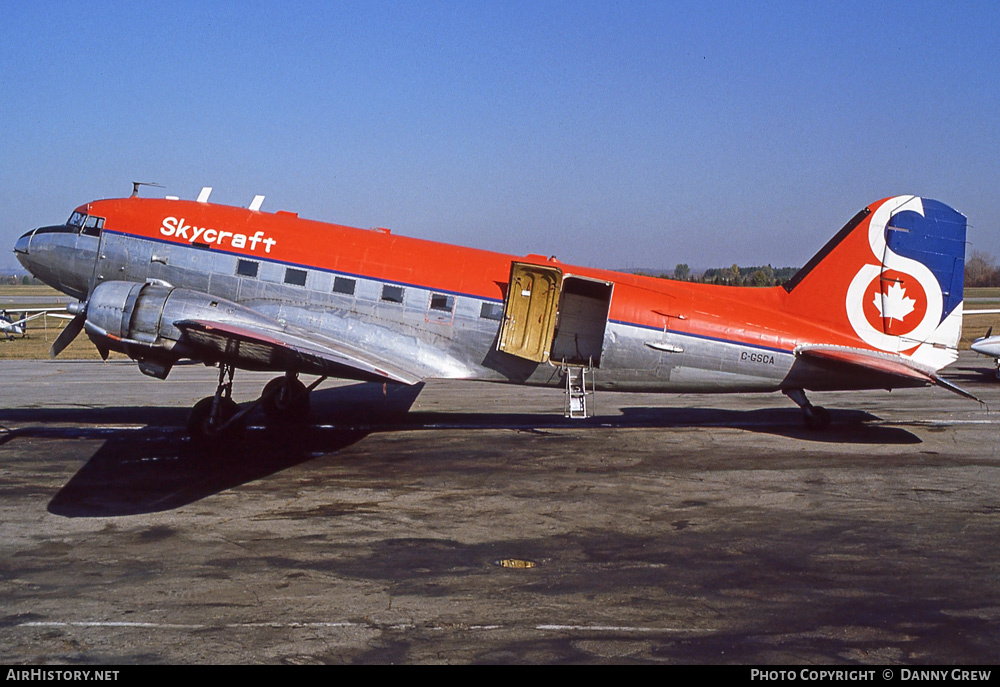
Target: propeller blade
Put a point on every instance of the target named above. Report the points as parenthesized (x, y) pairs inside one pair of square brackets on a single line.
[(989, 332), (66, 336)]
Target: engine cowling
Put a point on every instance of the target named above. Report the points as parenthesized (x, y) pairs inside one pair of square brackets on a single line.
[(138, 320)]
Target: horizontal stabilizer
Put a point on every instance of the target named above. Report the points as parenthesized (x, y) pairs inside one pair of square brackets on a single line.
[(954, 388), (896, 366)]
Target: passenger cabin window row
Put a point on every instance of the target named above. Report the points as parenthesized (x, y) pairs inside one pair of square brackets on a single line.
[(391, 293)]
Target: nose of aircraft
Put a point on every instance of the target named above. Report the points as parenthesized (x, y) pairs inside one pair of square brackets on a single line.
[(22, 243), (60, 255)]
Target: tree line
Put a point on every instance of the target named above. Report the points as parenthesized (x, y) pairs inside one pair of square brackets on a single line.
[(981, 269), (757, 275)]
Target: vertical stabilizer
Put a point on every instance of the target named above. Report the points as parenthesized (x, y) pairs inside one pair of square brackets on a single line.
[(892, 278)]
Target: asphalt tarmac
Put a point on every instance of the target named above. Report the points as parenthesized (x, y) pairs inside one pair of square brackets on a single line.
[(480, 526)]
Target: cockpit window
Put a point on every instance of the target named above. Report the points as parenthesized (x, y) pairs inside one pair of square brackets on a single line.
[(92, 226), (86, 224)]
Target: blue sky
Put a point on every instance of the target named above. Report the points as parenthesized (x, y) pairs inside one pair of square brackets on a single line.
[(617, 134)]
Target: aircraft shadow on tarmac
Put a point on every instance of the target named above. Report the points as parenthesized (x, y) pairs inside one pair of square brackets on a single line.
[(154, 467), (973, 375)]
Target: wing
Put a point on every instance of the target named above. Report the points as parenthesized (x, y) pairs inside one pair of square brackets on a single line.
[(157, 325), (255, 346), (29, 318), (892, 366)]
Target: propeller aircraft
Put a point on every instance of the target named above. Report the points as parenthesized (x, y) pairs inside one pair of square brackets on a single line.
[(169, 280), (12, 327), (989, 345)]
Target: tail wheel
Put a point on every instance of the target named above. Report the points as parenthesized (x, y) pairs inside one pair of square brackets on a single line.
[(207, 430), (816, 418), (285, 399)]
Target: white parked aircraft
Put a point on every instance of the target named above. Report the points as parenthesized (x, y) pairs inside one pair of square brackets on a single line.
[(11, 327)]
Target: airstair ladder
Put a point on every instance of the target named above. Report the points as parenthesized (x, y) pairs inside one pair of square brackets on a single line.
[(578, 378)]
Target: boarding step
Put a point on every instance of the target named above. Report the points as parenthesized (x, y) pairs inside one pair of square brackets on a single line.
[(579, 385)]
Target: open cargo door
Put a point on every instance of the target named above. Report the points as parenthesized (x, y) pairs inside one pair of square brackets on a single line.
[(529, 314)]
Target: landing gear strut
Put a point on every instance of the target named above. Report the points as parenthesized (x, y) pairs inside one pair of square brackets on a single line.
[(815, 417), (214, 419), (218, 420)]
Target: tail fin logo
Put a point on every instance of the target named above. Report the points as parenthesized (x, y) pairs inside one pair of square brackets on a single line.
[(893, 303)]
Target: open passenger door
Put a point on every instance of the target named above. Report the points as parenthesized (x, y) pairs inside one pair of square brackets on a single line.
[(529, 314), (549, 315)]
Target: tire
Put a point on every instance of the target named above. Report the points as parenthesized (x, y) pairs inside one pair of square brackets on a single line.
[(817, 419), (285, 406), (203, 433)]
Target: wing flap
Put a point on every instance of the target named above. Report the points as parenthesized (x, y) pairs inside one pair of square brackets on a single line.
[(258, 347)]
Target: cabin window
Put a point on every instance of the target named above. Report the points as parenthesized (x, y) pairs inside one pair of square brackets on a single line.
[(247, 268), (92, 226), (392, 294), (295, 276), (344, 285), (491, 311), (442, 302)]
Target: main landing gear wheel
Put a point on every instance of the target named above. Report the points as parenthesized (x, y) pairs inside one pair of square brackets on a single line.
[(815, 418), (218, 422), (215, 421), (285, 399), (208, 428)]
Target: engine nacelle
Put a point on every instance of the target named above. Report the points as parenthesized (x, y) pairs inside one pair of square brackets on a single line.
[(138, 320)]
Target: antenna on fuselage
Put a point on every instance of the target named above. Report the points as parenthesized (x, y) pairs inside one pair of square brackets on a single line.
[(137, 184)]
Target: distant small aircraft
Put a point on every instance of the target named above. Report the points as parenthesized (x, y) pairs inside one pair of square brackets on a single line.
[(989, 345), (12, 327), (165, 280)]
